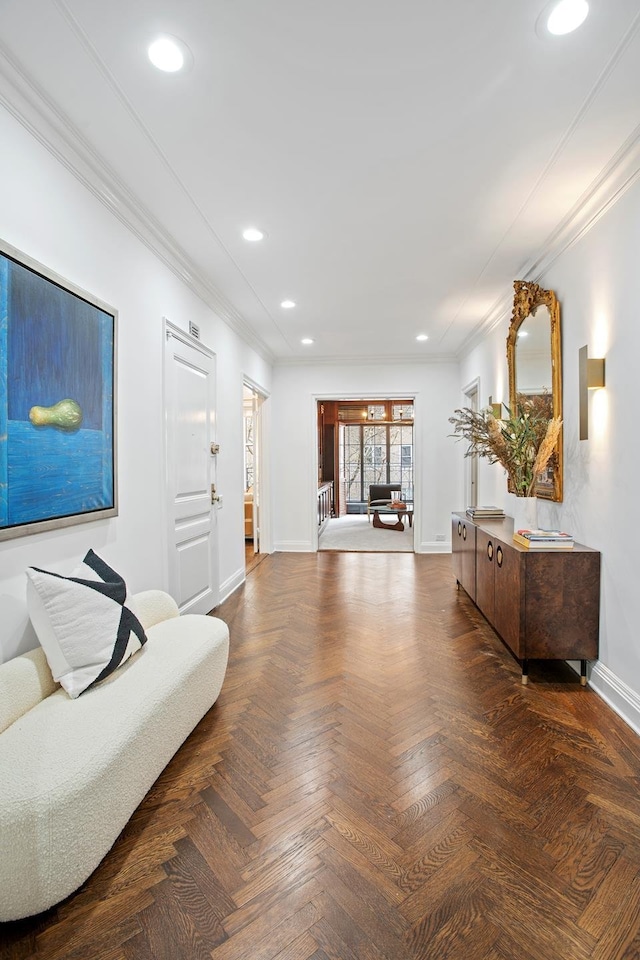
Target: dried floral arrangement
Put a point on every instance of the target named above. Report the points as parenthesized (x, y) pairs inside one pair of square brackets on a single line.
[(523, 443)]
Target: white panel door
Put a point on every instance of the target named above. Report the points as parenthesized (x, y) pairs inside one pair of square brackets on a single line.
[(190, 419)]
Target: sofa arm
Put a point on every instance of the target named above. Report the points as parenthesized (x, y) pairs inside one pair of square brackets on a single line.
[(24, 682), (153, 606)]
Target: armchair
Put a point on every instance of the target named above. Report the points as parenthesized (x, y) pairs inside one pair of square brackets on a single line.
[(381, 494)]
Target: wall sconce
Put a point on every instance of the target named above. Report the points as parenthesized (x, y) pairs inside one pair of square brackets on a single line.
[(590, 377), (496, 409)]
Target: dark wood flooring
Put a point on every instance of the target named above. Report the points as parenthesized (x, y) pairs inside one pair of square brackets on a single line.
[(374, 782)]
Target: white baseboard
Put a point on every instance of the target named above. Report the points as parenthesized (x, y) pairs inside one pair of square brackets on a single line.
[(614, 691), (304, 546), (232, 583), (293, 546), (433, 546)]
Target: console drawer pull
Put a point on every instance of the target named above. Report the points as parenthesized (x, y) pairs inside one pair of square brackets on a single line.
[(490, 550), (499, 556)]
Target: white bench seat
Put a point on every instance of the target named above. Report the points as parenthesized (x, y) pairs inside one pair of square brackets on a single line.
[(72, 772)]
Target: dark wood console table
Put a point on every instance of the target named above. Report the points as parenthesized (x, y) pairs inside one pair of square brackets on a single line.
[(543, 604)]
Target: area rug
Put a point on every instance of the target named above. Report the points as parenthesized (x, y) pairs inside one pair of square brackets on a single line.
[(354, 533)]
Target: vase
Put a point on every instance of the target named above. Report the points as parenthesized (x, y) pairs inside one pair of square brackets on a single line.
[(525, 513)]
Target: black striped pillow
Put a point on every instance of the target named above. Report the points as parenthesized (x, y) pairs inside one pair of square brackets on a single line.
[(83, 622)]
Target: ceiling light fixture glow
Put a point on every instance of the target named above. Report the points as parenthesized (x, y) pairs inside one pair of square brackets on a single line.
[(567, 16), (253, 235), (422, 336), (288, 304), (306, 341), (167, 54)]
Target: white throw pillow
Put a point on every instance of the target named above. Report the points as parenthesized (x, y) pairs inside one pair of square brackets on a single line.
[(83, 622)]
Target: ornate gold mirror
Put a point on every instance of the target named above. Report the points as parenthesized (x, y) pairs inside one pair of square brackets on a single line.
[(534, 358)]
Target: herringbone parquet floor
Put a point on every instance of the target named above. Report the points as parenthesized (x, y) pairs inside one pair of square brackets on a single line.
[(373, 783)]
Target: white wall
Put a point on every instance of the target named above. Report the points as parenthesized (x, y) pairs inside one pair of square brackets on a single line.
[(597, 283), (49, 215), (294, 449)]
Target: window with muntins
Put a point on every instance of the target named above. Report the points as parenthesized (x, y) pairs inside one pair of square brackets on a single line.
[(377, 453)]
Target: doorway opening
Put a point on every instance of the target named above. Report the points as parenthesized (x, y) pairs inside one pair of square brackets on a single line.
[(471, 394), (363, 444), (251, 404)]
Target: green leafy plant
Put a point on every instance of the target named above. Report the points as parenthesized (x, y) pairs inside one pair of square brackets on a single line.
[(523, 443)]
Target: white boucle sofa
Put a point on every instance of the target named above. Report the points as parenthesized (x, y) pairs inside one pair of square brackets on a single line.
[(72, 772)]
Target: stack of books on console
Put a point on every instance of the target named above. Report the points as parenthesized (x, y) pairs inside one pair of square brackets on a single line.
[(485, 513), (543, 539)]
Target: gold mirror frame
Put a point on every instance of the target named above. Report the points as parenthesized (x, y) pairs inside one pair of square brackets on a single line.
[(528, 297)]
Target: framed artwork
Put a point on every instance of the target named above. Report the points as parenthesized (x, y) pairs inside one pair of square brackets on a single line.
[(58, 463)]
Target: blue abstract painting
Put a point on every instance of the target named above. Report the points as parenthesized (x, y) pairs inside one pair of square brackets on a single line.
[(57, 427)]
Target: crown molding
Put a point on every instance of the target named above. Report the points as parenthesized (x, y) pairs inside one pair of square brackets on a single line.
[(608, 187), (604, 192), (500, 309), (620, 174), (28, 103)]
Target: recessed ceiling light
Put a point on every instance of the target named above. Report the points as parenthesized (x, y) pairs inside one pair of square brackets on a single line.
[(422, 336), (252, 234), (306, 341), (566, 16), (288, 304), (167, 54)]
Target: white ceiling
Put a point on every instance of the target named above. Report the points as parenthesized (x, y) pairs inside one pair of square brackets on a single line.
[(408, 160)]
